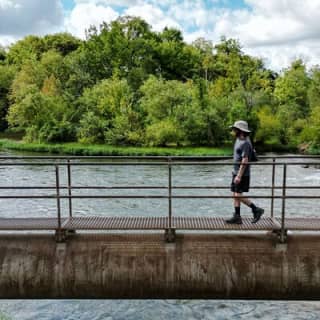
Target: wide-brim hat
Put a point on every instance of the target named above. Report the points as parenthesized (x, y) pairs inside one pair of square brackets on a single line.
[(241, 125)]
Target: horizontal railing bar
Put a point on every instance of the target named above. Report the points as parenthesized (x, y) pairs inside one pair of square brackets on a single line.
[(150, 197), (251, 196), (83, 187), (260, 163), (84, 164), (83, 197), (154, 157), (148, 187), (251, 187)]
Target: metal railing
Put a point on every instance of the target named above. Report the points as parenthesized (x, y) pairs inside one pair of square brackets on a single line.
[(170, 163)]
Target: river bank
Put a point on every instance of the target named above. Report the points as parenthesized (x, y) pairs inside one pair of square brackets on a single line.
[(78, 149)]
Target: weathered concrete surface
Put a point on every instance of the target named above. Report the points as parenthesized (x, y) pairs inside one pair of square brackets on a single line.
[(144, 266)]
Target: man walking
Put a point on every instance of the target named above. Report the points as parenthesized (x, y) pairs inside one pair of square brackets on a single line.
[(241, 172)]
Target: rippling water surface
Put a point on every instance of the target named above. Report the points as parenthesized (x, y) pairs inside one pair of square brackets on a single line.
[(203, 175), (159, 309)]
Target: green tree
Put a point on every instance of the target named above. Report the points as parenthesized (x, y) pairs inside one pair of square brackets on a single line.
[(164, 133), (64, 43), (314, 88), (291, 95), (125, 46), (173, 106), (38, 106), (3, 55), (76, 77), (291, 90), (53, 64), (29, 79), (270, 127), (29, 48), (177, 60), (310, 134), (107, 113), (207, 57), (43, 118), (7, 74)]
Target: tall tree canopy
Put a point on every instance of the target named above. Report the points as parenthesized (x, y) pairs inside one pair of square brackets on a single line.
[(127, 84)]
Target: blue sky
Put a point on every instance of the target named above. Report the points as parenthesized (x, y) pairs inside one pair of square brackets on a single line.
[(278, 31), (68, 4), (233, 4)]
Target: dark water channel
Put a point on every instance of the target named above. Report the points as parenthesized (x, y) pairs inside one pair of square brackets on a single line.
[(151, 175)]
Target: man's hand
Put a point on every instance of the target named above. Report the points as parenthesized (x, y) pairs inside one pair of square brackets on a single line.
[(243, 165), (237, 179)]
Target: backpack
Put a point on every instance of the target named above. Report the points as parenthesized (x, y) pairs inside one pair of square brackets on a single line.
[(253, 155)]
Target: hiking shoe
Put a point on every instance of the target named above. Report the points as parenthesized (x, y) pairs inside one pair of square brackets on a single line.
[(235, 220), (257, 215)]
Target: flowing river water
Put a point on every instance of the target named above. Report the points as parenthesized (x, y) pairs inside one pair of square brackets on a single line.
[(152, 175)]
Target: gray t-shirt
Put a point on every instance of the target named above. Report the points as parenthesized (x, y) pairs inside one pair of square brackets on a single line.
[(242, 149)]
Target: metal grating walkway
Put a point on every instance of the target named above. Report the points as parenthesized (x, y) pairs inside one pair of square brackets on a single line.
[(155, 223), (301, 224), (117, 223), (29, 223), (210, 223), (136, 223)]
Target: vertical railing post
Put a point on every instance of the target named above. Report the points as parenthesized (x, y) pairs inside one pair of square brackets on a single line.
[(69, 188), (284, 185), (170, 232), (170, 191), (273, 185), (59, 235)]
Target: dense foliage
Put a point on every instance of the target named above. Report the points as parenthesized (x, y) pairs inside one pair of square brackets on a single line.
[(128, 85)]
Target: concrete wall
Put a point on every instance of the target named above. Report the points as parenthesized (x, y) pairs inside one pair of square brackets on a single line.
[(144, 266)]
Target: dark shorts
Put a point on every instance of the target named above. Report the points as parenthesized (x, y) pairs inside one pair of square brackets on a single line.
[(243, 186)]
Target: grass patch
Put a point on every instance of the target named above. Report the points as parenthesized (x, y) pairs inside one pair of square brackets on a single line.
[(313, 150), (3, 316), (107, 150)]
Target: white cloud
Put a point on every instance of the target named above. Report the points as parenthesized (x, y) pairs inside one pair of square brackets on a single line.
[(278, 57), (277, 30), (6, 41), (124, 3), (192, 14), (276, 22), (20, 17), (130, 3), (153, 15), (85, 15), (8, 4)]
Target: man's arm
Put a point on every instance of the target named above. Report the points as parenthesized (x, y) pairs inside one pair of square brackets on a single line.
[(242, 168)]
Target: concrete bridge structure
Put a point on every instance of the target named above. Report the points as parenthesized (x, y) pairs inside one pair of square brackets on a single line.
[(97, 257)]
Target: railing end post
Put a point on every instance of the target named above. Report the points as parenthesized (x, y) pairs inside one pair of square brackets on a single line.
[(170, 235), (60, 236)]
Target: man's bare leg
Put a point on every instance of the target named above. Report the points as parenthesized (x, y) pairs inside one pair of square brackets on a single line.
[(257, 212), (237, 200), (236, 219)]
